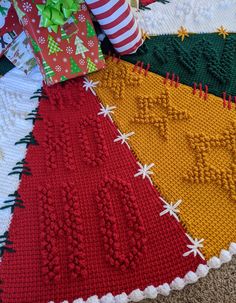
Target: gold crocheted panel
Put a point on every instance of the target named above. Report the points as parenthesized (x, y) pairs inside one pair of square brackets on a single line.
[(191, 140)]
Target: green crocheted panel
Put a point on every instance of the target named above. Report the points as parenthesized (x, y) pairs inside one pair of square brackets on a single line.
[(201, 58)]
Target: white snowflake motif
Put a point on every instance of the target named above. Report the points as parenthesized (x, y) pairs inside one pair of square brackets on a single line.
[(33, 20), (58, 39), (25, 21), (194, 247), (90, 43), (27, 7), (58, 68), (95, 61), (38, 31), (90, 85), (81, 62), (106, 111), (123, 138), (183, 9), (66, 70), (82, 33), (170, 208), (81, 18), (83, 7), (201, 14), (54, 59), (64, 60), (144, 171), (69, 50), (41, 40)]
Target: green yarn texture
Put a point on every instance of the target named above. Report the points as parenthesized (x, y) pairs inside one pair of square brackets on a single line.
[(5, 66), (202, 58)]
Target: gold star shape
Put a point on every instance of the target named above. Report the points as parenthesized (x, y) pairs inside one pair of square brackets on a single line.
[(144, 35), (182, 32), (118, 78), (203, 172), (147, 114), (222, 32)]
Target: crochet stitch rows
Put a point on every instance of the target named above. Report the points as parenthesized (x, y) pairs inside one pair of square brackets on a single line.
[(91, 223), (204, 59), (190, 140)]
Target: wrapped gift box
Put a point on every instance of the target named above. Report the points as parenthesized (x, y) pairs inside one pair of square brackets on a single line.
[(20, 54), (10, 27), (70, 52)]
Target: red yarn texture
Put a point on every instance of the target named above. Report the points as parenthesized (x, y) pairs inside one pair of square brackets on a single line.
[(89, 227)]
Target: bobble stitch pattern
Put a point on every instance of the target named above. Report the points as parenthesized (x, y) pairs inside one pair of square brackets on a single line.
[(69, 94), (146, 114), (136, 231), (74, 231), (118, 78), (50, 147), (66, 145), (49, 230), (90, 157), (202, 172)]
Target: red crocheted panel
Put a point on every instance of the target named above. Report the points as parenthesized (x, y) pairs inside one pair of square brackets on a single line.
[(89, 227)]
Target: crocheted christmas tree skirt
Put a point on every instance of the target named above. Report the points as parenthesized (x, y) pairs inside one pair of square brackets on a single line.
[(127, 190), (205, 60)]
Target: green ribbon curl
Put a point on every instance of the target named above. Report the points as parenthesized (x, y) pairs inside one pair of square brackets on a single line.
[(55, 13)]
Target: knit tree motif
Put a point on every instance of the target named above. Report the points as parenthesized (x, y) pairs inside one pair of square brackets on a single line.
[(148, 113), (74, 67), (118, 78), (35, 46), (219, 66), (80, 48), (206, 172), (90, 30), (5, 243), (53, 46), (14, 200), (47, 69), (91, 67)]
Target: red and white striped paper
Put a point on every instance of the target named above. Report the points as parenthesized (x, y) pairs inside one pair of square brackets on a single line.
[(119, 24)]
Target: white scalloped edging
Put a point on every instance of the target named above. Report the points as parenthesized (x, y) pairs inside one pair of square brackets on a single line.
[(151, 292)]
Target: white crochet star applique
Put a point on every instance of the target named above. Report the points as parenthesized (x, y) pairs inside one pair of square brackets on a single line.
[(194, 247), (90, 85), (144, 171), (123, 138), (106, 111), (170, 208)]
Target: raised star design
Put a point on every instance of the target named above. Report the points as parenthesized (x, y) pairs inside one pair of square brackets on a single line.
[(203, 171), (118, 79), (147, 114)]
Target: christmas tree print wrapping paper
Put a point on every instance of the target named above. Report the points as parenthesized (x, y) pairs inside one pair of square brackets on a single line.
[(59, 55), (10, 27), (20, 54)]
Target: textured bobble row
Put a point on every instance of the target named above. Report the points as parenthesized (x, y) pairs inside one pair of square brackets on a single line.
[(92, 156), (108, 226)]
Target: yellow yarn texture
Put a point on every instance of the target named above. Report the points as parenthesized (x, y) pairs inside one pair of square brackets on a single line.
[(190, 140)]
